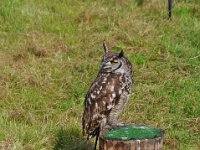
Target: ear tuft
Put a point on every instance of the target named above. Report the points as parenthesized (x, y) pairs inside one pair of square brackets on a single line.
[(121, 54), (105, 48)]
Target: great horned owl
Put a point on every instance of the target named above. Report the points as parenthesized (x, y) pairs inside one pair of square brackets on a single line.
[(108, 94)]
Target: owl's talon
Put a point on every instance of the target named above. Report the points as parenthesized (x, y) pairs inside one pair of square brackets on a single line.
[(118, 125), (107, 127)]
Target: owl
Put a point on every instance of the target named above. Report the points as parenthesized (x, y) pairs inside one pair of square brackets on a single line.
[(108, 94)]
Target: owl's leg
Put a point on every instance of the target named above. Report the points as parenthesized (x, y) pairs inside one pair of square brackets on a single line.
[(113, 119)]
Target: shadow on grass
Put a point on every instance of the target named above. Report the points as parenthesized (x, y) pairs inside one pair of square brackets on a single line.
[(71, 140)]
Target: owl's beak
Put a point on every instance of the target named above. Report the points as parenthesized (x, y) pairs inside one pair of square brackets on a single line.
[(105, 66)]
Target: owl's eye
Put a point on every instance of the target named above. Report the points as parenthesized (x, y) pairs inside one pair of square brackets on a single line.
[(113, 61)]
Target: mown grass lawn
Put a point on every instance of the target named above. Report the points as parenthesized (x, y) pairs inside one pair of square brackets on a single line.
[(50, 53)]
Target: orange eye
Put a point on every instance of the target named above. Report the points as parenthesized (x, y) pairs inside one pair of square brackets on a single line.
[(113, 61)]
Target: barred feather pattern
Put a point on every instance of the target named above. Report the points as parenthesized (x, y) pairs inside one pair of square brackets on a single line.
[(108, 94)]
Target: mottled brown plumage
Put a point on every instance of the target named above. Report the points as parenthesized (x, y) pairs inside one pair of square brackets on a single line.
[(108, 94)]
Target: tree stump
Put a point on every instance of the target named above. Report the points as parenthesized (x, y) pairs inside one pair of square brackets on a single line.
[(131, 137)]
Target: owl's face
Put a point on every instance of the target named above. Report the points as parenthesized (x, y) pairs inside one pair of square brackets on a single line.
[(112, 62)]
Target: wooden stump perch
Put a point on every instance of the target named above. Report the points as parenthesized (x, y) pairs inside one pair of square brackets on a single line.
[(131, 137)]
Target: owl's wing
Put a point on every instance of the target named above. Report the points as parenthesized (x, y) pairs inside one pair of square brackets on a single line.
[(103, 95)]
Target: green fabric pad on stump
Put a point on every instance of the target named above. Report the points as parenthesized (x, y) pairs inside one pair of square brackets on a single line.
[(132, 132)]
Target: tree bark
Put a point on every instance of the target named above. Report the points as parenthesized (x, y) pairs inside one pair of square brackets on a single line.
[(143, 144)]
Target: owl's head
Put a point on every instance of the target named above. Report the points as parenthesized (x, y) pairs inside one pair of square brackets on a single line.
[(113, 62)]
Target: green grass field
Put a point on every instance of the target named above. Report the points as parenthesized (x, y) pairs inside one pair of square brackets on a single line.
[(50, 53)]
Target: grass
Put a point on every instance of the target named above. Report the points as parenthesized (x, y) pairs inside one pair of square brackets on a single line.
[(50, 53)]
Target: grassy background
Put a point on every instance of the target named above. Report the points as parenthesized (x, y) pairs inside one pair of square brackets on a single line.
[(50, 53)]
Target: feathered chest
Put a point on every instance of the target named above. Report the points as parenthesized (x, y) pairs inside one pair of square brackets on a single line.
[(107, 89)]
